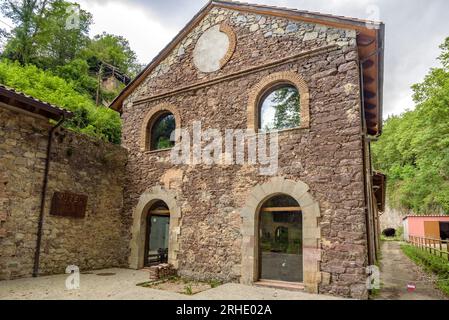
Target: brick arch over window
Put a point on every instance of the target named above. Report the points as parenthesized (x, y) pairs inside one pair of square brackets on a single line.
[(225, 28), (150, 119), (289, 77), (311, 229)]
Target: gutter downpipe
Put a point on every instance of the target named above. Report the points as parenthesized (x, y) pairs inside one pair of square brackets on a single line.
[(368, 171), (365, 165), (43, 196)]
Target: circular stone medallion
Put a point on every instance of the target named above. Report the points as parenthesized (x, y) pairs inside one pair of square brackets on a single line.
[(213, 49)]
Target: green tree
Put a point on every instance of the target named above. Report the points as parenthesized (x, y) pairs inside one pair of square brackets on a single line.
[(43, 35), (26, 16), (114, 50), (287, 106), (78, 72), (61, 39), (414, 148), (53, 35)]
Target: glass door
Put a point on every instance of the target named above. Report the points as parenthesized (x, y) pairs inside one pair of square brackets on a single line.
[(281, 250), (158, 233)]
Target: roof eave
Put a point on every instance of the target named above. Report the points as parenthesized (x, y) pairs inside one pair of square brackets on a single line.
[(29, 104), (381, 45)]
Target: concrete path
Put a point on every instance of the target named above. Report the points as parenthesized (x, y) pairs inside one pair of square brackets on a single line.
[(120, 284), (397, 271)]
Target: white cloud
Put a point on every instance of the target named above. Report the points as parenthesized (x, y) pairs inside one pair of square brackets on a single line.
[(146, 32)]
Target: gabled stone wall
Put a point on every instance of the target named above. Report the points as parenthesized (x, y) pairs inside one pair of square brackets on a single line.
[(327, 155), (79, 165)]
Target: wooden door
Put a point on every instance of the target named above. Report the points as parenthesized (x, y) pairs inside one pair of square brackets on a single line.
[(432, 229)]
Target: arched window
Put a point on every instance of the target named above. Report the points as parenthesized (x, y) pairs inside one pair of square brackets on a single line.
[(279, 108), (279, 101), (157, 127), (160, 131)]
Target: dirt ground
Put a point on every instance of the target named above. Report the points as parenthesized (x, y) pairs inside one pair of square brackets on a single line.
[(397, 271), (121, 284)]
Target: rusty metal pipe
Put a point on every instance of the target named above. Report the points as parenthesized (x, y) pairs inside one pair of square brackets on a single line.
[(43, 196)]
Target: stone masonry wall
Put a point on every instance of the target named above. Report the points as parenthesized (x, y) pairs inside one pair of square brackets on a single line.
[(79, 165), (393, 218), (327, 157)]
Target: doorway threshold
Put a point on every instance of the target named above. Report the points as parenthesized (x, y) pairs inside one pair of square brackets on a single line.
[(283, 285)]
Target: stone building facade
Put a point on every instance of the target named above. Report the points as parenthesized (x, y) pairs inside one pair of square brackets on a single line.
[(78, 165), (216, 71), (212, 77)]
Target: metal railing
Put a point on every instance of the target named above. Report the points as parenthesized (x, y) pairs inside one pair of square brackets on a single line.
[(436, 247)]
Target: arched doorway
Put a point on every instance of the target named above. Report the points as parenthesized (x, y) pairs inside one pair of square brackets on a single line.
[(157, 234), (281, 240), (139, 227)]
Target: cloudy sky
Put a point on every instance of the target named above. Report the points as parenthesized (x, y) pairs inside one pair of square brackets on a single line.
[(415, 29)]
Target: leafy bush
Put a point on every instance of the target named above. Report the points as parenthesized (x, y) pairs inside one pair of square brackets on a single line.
[(89, 119)]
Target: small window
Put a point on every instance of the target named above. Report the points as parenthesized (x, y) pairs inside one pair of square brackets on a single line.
[(279, 109), (161, 131)]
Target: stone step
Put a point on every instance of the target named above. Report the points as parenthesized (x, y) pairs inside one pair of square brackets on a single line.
[(273, 284)]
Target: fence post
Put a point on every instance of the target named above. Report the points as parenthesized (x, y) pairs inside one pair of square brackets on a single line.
[(447, 249)]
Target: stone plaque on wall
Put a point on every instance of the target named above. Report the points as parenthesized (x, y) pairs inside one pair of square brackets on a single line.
[(65, 204)]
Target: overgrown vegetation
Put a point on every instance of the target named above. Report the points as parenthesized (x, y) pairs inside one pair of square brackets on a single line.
[(49, 54), (414, 148), (215, 283), (180, 285), (98, 122), (431, 263), (188, 289)]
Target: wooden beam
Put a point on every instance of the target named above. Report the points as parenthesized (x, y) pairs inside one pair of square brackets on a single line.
[(160, 212), (370, 106), (364, 40), (368, 79), (368, 64), (370, 115), (282, 209), (371, 123), (369, 94)]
